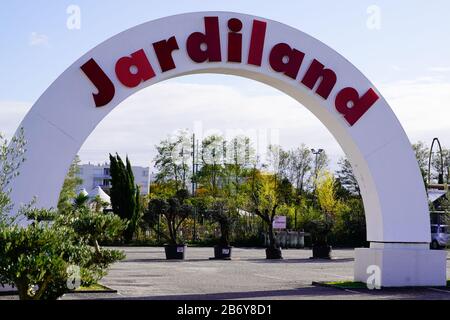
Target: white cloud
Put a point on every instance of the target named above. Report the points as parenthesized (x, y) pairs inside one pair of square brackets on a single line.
[(37, 39), (422, 108)]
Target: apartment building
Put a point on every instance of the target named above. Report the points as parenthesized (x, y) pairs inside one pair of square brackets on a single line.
[(98, 175)]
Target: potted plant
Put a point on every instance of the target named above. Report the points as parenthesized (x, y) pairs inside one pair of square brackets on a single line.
[(174, 211), (329, 205), (218, 212), (273, 251), (320, 229), (263, 194)]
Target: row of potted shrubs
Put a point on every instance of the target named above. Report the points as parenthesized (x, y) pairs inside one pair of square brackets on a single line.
[(175, 210), (179, 251), (223, 252)]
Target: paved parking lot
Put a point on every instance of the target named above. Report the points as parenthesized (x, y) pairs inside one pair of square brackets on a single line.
[(146, 274)]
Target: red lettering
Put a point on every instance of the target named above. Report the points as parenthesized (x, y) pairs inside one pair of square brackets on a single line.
[(359, 105), (285, 59), (257, 42), (100, 80), (315, 71), (234, 40), (139, 60), (163, 50), (210, 38)]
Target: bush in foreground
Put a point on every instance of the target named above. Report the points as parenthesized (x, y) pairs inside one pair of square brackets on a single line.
[(48, 258)]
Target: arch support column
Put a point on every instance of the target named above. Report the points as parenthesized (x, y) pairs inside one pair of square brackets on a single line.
[(400, 264)]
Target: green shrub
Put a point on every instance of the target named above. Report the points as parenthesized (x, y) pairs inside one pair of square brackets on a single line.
[(46, 259)]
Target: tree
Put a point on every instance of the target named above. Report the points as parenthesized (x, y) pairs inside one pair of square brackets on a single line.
[(12, 155), (80, 201), (326, 195), (97, 203), (350, 224), (69, 189), (213, 157), (263, 200), (219, 212), (174, 210), (124, 194), (329, 205), (42, 258), (172, 160), (322, 163), (46, 258), (278, 161), (442, 167), (95, 226), (422, 151), (300, 165), (239, 154), (346, 177), (35, 260)]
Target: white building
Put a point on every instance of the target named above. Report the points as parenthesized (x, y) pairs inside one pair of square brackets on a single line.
[(97, 175)]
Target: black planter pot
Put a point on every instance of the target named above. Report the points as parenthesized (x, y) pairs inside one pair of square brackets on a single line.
[(321, 251), (175, 252), (222, 252), (273, 253)]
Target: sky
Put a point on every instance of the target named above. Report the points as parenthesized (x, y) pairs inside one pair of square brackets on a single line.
[(402, 47)]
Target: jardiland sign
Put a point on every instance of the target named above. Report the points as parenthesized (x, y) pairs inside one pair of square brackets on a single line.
[(270, 52), (205, 47)]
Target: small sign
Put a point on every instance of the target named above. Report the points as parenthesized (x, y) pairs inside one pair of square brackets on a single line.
[(225, 251), (180, 249), (279, 222)]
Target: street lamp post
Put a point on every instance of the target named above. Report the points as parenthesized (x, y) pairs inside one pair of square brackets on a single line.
[(194, 187), (441, 173), (316, 153)]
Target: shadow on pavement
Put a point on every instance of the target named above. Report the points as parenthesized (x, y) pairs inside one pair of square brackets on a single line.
[(257, 260), (168, 261), (308, 291), (302, 260)]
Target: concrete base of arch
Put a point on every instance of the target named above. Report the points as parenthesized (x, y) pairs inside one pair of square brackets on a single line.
[(400, 265)]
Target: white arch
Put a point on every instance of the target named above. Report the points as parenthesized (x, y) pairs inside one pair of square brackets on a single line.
[(376, 145)]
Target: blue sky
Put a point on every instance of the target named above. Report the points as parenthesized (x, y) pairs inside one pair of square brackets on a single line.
[(413, 36), (409, 53)]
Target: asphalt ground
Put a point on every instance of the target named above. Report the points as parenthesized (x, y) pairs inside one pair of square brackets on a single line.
[(145, 274)]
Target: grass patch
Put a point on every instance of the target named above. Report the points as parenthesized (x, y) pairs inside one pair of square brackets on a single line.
[(96, 287)]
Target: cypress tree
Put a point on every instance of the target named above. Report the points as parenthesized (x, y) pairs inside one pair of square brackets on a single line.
[(124, 193)]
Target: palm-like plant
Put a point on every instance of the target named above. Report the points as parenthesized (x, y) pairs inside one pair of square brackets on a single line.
[(220, 214), (174, 210)]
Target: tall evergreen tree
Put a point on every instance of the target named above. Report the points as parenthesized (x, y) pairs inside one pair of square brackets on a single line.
[(124, 193)]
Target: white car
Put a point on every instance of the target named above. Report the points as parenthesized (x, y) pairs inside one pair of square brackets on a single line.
[(439, 236)]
